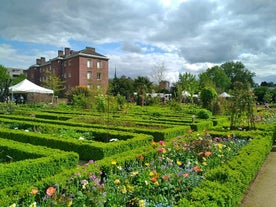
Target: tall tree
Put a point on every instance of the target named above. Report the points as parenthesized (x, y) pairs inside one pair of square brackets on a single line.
[(122, 86), (215, 77), (5, 81), (142, 85), (187, 82), (237, 72)]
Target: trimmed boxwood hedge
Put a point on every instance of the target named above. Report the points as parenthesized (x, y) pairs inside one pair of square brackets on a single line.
[(36, 162)]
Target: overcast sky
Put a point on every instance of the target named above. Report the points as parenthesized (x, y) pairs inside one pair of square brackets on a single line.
[(138, 35)]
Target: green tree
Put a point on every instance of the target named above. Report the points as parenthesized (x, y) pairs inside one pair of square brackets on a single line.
[(268, 97), (5, 82), (260, 93), (187, 82), (123, 86), (18, 79), (142, 86), (208, 96), (237, 72), (54, 82), (215, 77)]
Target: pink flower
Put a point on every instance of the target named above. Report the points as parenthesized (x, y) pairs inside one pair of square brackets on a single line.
[(50, 191), (162, 143), (160, 150)]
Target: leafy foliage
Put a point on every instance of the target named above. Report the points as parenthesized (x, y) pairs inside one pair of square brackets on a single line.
[(5, 82)]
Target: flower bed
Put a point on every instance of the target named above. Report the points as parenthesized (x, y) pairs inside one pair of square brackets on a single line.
[(162, 180)]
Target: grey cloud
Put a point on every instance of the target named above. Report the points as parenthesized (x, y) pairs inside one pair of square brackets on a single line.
[(131, 47)]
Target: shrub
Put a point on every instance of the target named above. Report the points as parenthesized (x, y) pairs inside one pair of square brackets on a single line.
[(204, 114)]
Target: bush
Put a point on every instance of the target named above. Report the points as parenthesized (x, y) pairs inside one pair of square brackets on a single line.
[(204, 114)]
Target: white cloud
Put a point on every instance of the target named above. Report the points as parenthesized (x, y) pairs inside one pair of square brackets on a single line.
[(191, 34)]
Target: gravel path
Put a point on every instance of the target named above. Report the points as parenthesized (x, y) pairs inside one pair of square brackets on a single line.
[(262, 192)]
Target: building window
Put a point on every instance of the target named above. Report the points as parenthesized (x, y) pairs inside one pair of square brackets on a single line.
[(89, 86), (89, 63), (69, 62), (99, 76), (99, 87), (99, 64), (65, 63), (69, 75), (89, 75)]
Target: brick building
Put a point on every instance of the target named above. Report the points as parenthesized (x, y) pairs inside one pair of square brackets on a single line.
[(76, 68)]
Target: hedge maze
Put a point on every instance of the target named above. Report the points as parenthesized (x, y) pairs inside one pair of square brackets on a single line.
[(42, 147)]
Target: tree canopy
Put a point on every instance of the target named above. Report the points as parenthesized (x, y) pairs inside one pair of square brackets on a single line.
[(237, 72), (5, 81)]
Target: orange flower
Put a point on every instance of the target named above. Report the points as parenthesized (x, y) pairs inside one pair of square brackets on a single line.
[(200, 153), (185, 175), (140, 157), (228, 136), (208, 153), (34, 191), (165, 177), (154, 179), (50, 191)]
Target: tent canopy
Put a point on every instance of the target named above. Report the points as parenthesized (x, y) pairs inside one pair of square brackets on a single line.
[(225, 95), (27, 86)]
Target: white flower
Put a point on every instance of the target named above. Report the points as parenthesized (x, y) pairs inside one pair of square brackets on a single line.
[(81, 138), (113, 140)]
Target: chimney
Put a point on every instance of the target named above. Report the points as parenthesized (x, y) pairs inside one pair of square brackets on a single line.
[(38, 61), (67, 51), (91, 48), (60, 53), (42, 60)]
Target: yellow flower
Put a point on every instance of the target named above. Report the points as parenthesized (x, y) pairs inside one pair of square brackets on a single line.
[(124, 189), (146, 182), (70, 203), (151, 173), (13, 205), (204, 163), (130, 188), (220, 146), (117, 181), (33, 204), (178, 162), (156, 183), (134, 173), (113, 162), (147, 164), (142, 203)]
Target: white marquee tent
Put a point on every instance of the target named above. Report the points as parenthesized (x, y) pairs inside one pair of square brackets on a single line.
[(27, 86), (225, 95)]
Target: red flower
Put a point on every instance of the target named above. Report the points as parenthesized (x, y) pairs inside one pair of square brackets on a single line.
[(197, 169), (165, 177), (50, 191)]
